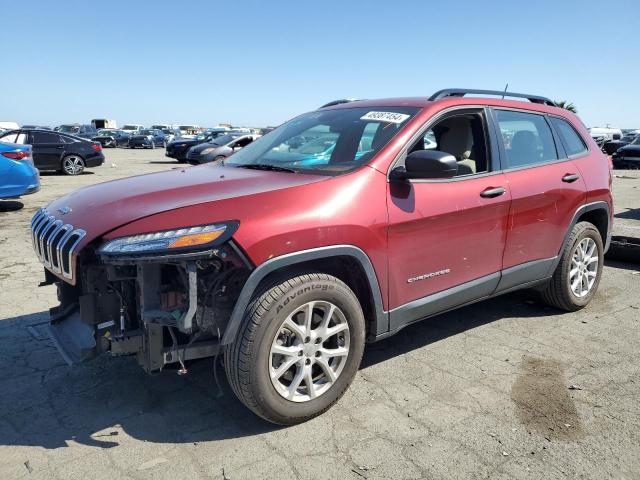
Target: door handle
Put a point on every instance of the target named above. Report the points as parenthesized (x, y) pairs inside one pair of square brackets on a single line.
[(570, 177), (492, 192)]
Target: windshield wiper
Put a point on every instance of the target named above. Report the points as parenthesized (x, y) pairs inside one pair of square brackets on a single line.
[(266, 166)]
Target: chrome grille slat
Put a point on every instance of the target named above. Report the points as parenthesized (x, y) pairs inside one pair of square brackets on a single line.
[(55, 242), (52, 237)]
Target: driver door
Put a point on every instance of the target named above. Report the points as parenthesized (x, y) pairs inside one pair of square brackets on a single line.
[(447, 237)]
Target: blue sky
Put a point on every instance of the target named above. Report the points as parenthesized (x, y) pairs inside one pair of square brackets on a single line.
[(261, 62)]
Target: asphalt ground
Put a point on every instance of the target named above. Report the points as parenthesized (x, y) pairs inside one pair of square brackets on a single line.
[(507, 388)]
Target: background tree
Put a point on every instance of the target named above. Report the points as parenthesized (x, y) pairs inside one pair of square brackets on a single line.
[(567, 106)]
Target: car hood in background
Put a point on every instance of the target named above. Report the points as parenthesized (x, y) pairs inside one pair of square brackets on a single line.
[(103, 207), (203, 146), (630, 148), (185, 141)]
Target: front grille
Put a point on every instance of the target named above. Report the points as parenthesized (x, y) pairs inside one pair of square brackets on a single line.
[(55, 242)]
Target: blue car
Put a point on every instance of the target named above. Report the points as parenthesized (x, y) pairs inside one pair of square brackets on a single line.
[(18, 176)]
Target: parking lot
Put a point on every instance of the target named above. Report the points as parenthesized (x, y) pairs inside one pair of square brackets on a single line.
[(502, 389)]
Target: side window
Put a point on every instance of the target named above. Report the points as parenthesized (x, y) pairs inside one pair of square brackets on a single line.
[(44, 137), (526, 137), (572, 141), (9, 137), (243, 142), (462, 136)]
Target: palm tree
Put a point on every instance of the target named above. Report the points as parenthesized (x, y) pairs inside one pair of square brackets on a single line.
[(567, 106)]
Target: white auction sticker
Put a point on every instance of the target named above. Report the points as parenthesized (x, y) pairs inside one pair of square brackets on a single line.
[(390, 117)]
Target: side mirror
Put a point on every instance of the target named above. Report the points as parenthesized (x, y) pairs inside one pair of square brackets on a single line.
[(426, 164)]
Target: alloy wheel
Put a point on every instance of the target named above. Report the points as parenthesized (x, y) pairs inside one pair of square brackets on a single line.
[(73, 165), (309, 351), (584, 267)]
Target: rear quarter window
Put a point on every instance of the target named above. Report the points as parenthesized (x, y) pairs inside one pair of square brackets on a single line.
[(571, 139)]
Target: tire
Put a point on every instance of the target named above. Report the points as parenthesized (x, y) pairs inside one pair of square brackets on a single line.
[(72, 165), (560, 292), (249, 360)]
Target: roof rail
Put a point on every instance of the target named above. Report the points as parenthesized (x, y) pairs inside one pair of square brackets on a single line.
[(338, 102), (461, 92)]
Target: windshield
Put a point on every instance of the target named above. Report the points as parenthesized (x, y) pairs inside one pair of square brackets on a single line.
[(636, 141), (218, 139), (69, 128), (104, 131), (326, 142), (146, 132), (129, 127)]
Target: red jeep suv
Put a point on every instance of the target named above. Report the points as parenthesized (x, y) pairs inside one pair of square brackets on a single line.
[(340, 227)]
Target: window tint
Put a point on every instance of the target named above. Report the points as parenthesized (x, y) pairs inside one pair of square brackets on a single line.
[(44, 137), (461, 136), (527, 138), (572, 141)]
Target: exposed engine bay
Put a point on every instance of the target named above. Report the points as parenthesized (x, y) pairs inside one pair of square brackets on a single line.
[(163, 309)]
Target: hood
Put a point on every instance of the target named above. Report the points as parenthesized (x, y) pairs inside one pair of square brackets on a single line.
[(630, 148), (185, 141), (100, 208)]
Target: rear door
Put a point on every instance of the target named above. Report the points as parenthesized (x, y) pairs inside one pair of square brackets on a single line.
[(546, 190), (47, 149), (447, 237)]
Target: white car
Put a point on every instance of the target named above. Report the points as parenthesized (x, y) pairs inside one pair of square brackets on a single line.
[(132, 128)]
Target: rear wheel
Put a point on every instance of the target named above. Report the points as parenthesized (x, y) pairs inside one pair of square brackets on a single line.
[(298, 348), (577, 276), (72, 165)]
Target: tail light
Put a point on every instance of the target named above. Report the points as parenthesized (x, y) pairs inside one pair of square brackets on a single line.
[(96, 147), (17, 155)]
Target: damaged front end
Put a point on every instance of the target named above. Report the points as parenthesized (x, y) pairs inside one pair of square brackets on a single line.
[(165, 297)]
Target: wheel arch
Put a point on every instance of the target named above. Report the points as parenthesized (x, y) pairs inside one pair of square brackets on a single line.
[(346, 262), (597, 213)]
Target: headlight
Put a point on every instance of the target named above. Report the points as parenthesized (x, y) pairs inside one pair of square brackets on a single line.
[(207, 150), (203, 236)]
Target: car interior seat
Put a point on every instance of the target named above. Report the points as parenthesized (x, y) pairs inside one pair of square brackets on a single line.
[(524, 149), (457, 140)]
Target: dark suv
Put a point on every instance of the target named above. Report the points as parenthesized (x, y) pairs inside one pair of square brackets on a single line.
[(340, 227), (78, 130), (56, 151)]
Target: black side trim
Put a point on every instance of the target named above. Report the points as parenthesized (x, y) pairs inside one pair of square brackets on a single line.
[(442, 301), (526, 273), (600, 205), (382, 320)]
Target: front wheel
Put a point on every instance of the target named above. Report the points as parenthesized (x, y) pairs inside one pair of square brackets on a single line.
[(72, 165), (298, 348), (576, 278)]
